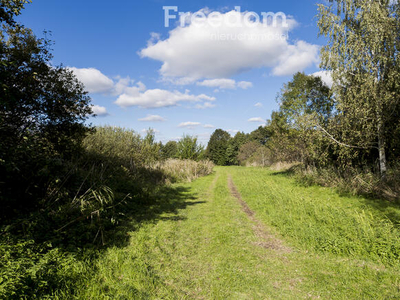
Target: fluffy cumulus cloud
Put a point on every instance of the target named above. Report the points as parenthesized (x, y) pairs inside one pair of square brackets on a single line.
[(297, 58), (93, 80), (131, 93), (189, 125), (197, 51), (258, 104), (100, 111), (156, 98), (152, 118), (326, 77), (256, 119)]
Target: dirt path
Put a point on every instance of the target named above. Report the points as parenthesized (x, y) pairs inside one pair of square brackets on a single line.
[(266, 239)]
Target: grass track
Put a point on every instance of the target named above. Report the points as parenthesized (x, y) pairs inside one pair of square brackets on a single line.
[(211, 250)]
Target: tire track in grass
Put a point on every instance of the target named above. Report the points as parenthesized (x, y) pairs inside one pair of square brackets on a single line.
[(266, 239)]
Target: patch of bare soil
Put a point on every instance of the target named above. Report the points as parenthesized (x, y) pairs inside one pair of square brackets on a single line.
[(266, 239)]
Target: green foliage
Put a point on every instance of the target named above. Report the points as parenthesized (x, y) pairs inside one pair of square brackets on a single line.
[(29, 270), (189, 148), (42, 115), (303, 95), (362, 53), (169, 150), (217, 147), (246, 151), (11, 8), (234, 145)]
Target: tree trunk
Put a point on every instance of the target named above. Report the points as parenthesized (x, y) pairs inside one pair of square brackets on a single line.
[(381, 148)]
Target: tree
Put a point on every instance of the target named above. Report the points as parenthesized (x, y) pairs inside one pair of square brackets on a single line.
[(306, 94), (260, 135), (234, 145), (188, 148), (363, 55), (169, 150), (217, 146), (42, 113), (9, 9), (246, 151)]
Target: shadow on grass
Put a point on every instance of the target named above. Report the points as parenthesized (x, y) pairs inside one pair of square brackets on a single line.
[(164, 204), (36, 270)]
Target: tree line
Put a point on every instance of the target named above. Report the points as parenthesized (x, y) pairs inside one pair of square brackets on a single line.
[(351, 129)]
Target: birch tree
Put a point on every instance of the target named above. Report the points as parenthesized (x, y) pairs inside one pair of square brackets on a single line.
[(363, 55)]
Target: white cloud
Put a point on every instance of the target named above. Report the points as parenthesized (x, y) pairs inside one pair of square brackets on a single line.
[(326, 77), (195, 52), (258, 104), (152, 118), (224, 84), (245, 85), (208, 126), (232, 131), (205, 105), (221, 83), (100, 111), (96, 82), (189, 125), (93, 80), (145, 131), (158, 98), (256, 119), (297, 58)]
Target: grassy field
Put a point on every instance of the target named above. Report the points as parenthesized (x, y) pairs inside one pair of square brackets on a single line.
[(287, 242)]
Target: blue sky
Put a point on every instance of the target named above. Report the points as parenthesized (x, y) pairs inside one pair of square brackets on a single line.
[(191, 79)]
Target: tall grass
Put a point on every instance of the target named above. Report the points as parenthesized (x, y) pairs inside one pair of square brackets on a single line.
[(319, 218), (184, 170), (353, 181)]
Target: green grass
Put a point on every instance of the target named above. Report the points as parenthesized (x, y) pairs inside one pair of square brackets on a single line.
[(201, 245)]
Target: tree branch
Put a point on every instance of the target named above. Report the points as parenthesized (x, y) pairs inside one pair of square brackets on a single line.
[(343, 144)]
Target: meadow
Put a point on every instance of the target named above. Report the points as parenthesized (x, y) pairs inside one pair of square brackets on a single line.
[(280, 240)]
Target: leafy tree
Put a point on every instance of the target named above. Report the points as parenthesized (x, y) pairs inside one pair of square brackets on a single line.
[(234, 145), (260, 135), (246, 151), (306, 94), (217, 147), (169, 150), (9, 9), (42, 114), (363, 55), (150, 149), (188, 148)]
